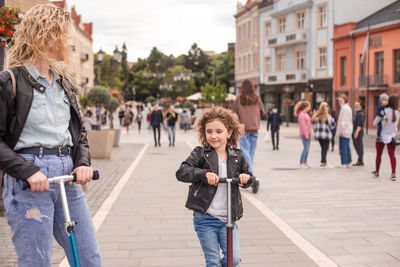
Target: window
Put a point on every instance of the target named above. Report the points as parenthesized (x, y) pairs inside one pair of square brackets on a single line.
[(239, 65), (282, 62), (244, 63), (248, 63), (379, 67), (300, 60), (239, 34), (300, 20), (343, 71), (254, 62), (267, 29), (243, 32), (282, 24), (255, 27), (248, 30), (322, 16), (322, 57), (362, 67), (396, 59), (267, 65)]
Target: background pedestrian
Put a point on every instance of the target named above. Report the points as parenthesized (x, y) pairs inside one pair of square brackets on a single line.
[(301, 111), (358, 132), (156, 119), (274, 121), (323, 124), (345, 130)]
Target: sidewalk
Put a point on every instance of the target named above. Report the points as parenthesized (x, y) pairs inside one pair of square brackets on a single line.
[(149, 226)]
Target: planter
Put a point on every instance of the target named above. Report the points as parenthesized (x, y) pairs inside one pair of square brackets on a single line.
[(100, 144), (116, 137)]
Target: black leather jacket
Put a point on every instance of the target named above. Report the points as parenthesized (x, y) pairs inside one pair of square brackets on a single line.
[(14, 112), (194, 168)]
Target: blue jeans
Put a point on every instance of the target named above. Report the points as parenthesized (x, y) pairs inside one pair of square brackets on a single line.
[(171, 134), (248, 144), (344, 148), (212, 235), (306, 148), (35, 217)]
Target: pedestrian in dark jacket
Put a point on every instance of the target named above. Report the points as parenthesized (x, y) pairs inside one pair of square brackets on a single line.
[(156, 120), (274, 121), (358, 132), (219, 132), (41, 136)]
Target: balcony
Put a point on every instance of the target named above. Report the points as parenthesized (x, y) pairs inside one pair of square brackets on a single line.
[(299, 76), (84, 81), (376, 82), (84, 57), (286, 39)]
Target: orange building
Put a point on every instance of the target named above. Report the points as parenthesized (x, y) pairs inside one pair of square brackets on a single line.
[(364, 71)]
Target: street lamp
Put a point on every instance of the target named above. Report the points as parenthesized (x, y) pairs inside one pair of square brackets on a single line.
[(117, 57), (100, 57)]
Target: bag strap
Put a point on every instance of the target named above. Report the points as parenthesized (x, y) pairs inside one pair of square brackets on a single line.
[(14, 84)]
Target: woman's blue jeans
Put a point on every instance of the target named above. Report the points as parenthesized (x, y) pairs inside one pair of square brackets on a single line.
[(212, 235), (171, 134), (345, 150), (306, 148), (35, 217), (248, 144)]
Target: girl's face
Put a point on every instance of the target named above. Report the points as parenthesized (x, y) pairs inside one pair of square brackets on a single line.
[(217, 134)]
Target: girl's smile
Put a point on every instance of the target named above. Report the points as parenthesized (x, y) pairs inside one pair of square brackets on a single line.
[(217, 134)]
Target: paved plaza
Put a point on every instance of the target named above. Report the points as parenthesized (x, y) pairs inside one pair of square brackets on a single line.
[(325, 217)]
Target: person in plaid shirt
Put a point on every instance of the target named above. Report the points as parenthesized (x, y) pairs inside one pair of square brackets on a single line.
[(323, 125)]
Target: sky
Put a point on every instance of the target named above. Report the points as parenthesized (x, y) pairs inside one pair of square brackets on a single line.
[(170, 25)]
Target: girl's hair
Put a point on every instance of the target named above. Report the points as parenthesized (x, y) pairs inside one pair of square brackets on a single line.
[(248, 95), (42, 27), (323, 112), (302, 104), (393, 103), (228, 118)]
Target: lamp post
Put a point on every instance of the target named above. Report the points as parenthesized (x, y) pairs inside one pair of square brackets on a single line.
[(116, 59), (100, 58), (182, 77)]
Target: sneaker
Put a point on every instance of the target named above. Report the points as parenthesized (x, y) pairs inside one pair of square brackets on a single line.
[(358, 164), (273, 148), (302, 166), (393, 177), (277, 148), (322, 165), (307, 166), (348, 166), (375, 173)]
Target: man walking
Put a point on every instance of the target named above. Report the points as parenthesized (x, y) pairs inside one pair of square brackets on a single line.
[(156, 120), (275, 121), (171, 117)]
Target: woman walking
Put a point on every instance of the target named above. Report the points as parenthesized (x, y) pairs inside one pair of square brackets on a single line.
[(128, 116), (390, 123), (323, 125), (250, 110), (358, 132), (301, 111), (41, 136), (345, 130)]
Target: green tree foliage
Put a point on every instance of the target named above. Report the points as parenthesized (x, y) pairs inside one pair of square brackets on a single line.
[(111, 106), (99, 96), (180, 86), (207, 92), (224, 66), (214, 94)]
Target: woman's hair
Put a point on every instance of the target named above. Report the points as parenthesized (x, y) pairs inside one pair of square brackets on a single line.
[(302, 104), (359, 101), (228, 118), (42, 27), (323, 112), (393, 104), (248, 95)]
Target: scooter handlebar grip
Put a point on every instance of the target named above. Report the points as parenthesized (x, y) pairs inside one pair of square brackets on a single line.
[(224, 180), (23, 184), (96, 176)]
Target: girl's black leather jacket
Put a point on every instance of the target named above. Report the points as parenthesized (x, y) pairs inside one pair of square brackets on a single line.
[(14, 112), (194, 168)]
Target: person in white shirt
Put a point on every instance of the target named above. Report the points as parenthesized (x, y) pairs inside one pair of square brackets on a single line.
[(345, 130), (390, 122)]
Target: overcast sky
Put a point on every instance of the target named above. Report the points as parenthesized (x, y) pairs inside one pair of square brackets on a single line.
[(170, 25)]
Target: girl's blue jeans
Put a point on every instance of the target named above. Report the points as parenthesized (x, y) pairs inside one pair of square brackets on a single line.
[(212, 235), (345, 150), (306, 148), (35, 217)]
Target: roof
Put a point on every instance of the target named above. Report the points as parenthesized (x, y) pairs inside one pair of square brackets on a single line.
[(386, 14), (62, 4), (265, 3)]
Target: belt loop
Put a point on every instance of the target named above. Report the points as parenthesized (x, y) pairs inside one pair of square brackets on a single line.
[(41, 152)]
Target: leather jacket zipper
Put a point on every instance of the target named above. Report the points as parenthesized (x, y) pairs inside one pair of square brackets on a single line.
[(209, 165)]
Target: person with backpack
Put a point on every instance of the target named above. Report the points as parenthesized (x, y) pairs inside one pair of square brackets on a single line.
[(42, 136), (171, 118), (323, 125)]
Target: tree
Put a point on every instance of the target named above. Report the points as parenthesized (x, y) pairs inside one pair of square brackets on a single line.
[(125, 75), (219, 93), (99, 96), (143, 85), (196, 60), (207, 91), (111, 106), (222, 68), (180, 86)]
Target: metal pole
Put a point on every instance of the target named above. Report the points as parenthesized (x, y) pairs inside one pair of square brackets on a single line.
[(2, 3), (229, 225), (367, 84)]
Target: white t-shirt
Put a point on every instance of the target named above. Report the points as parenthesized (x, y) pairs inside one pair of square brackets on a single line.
[(218, 206)]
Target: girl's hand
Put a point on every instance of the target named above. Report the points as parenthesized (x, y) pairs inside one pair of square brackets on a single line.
[(244, 178), (83, 174), (212, 178)]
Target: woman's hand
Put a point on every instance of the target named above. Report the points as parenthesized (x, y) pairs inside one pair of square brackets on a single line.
[(212, 178), (244, 178), (38, 182), (83, 174)]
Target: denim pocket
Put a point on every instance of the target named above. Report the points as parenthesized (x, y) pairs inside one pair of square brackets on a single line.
[(37, 113), (63, 111)]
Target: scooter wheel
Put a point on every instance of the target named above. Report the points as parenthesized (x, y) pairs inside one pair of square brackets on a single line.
[(255, 186)]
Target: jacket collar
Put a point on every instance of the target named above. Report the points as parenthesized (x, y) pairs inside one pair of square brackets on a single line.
[(212, 159)]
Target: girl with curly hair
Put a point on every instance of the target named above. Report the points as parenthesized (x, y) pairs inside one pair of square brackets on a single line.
[(219, 132), (41, 136)]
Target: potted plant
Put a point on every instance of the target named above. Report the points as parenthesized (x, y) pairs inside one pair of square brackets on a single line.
[(100, 142), (111, 106)]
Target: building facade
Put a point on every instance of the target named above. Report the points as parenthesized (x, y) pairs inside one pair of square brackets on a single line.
[(247, 44), (367, 58)]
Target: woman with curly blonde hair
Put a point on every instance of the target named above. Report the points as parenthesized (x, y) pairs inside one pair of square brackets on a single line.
[(323, 125), (219, 132), (41, 136)]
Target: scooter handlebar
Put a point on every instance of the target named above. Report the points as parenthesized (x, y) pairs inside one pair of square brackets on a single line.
[(23, 184), (232, 180)]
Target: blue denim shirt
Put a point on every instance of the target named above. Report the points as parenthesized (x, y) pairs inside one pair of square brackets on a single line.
[(49, 116)]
